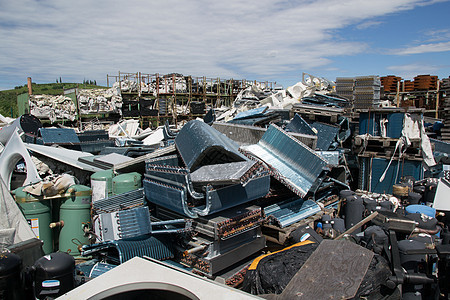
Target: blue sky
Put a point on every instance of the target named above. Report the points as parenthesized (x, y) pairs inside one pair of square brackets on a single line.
[(258, 40)]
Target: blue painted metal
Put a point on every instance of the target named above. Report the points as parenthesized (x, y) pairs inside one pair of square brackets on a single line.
[(256, 121), (120, 251), (134, 222), (178, 195), (61, 136), (395, 125), (291, 211), (199, 144), (372, 175), (441, 146), (256, 112), (170, 160), (290, 161), (366, 123), (326, 135), (299, 125)]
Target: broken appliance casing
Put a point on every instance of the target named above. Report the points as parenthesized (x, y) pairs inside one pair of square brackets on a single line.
[(172, 188)]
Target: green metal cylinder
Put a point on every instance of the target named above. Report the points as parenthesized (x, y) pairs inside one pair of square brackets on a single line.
[(101, 183), (38, 214), (75, 213), (126, 182)]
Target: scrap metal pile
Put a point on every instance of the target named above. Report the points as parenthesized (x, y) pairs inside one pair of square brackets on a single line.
[(99, 100), (53, 107), (279, 196)]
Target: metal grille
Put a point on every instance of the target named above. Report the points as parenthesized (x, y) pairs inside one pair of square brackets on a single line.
[(199, 144), (290, 161), (118, 202)]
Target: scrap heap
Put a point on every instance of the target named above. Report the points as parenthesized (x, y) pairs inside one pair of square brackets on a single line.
[(285, 194)]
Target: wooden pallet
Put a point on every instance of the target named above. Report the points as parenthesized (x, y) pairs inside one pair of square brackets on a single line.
[(388, 155), (385, 147)]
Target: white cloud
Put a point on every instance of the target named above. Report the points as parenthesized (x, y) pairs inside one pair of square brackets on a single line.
[(424, 48), (88, 39), (368, 24), (438, 35), (409, 71)]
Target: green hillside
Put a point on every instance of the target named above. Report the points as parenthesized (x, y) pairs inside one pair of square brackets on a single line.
[(8, 98)]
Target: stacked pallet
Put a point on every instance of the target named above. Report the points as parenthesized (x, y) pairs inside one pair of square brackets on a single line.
[(344, 87), (408, 86), (445, 88), (390, 83), (425, 82), (366, 91)]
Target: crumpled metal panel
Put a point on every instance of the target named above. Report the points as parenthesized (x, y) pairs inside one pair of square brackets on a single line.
[(299, 125), (63, 136), (199, 144), (326, 135), (289, 160), (290, 212)]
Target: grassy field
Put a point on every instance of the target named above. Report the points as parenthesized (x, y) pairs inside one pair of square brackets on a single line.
[(8, 98)]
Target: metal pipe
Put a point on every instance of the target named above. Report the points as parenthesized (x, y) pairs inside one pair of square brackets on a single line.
[(59, 224), (195, 249)]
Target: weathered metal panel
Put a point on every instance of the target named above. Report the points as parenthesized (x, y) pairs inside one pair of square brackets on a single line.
[(63, 136), (23, 104), (290, 161), (299, 125), (199, 144), (326, 135), (396, 171)]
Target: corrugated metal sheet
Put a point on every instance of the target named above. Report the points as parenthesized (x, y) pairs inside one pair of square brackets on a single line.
[(122, 250), (291, 211), (291, 162), (178, 195), (248, 135), (199, 144), (118, 202)]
